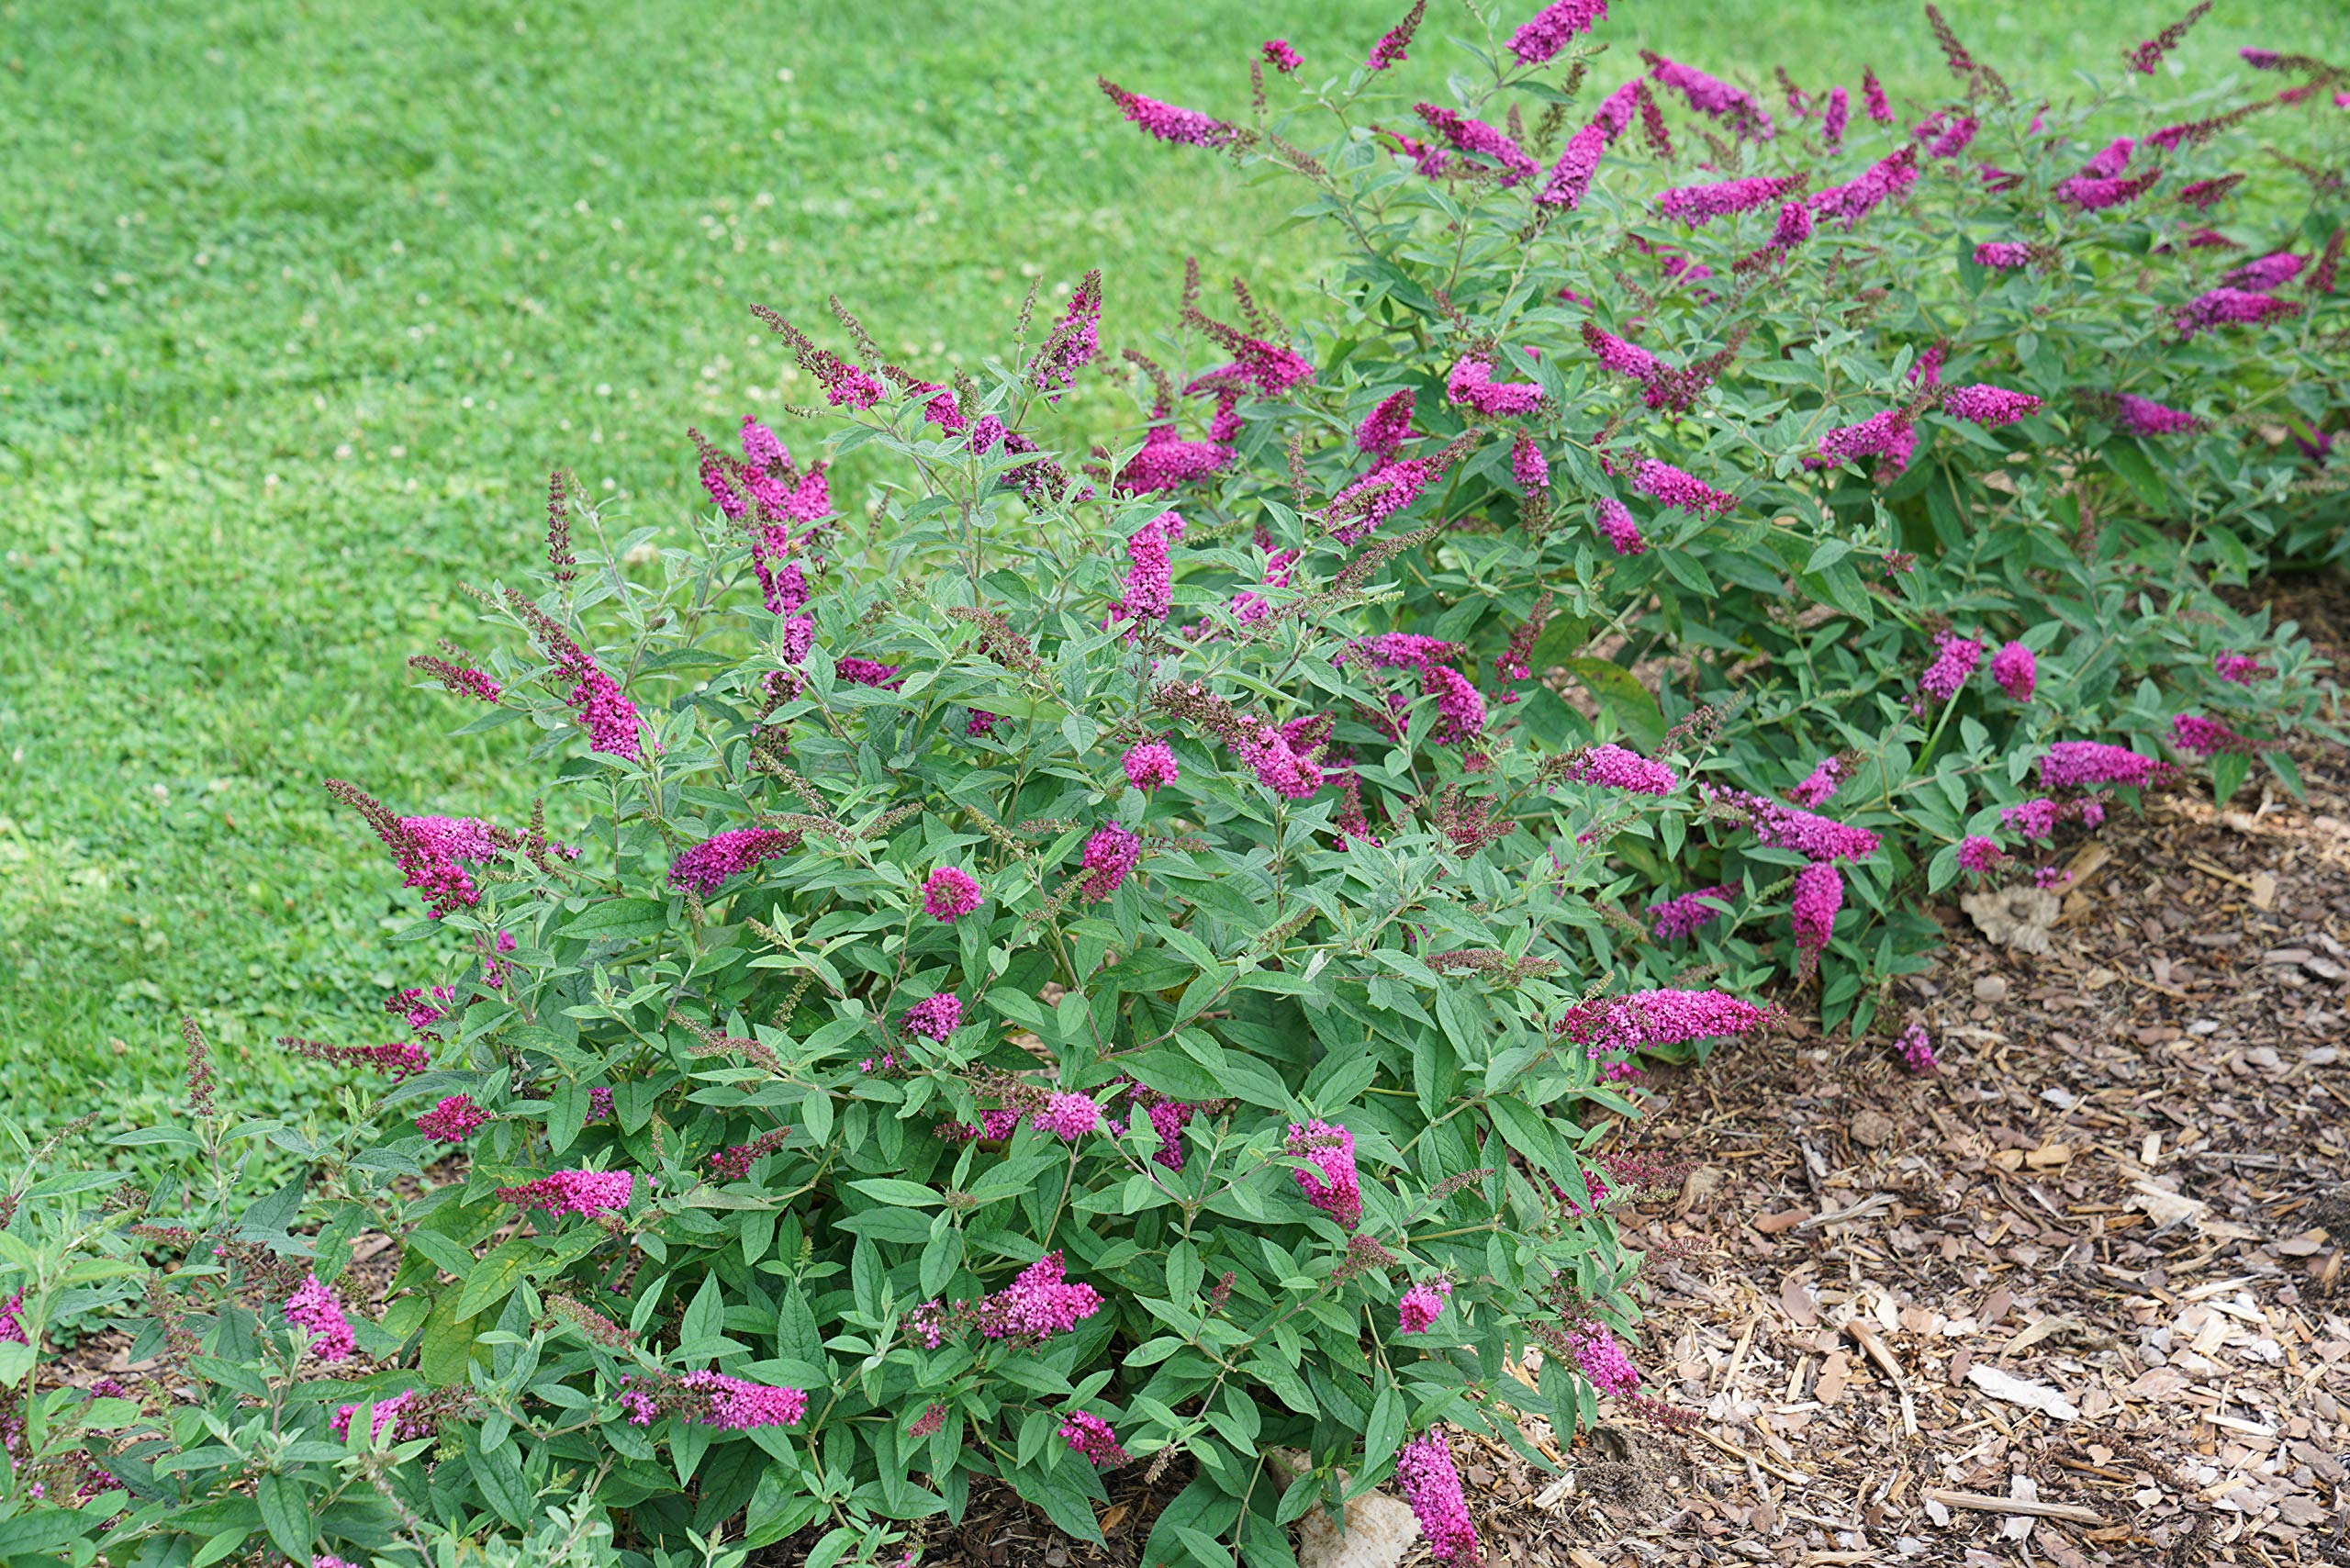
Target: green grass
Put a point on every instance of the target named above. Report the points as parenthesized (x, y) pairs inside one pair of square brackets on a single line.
[(302, 301)]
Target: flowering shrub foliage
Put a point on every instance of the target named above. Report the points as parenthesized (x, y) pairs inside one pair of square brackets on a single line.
[(1115, 957)]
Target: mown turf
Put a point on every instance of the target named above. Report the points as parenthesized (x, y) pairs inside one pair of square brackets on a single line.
[(298, 304)]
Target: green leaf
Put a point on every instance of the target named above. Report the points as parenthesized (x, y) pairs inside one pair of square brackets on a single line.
[(286, 1514), (619, 920), (494, 1277), (2127, 458), (1622, 698), (903, 1195)]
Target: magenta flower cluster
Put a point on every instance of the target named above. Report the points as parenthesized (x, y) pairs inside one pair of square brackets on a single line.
[(1425, 1474), (1685, 914), (949, 893), (1541, 36), (1670, 487), (1819, 895), (1987, 406), (934, 1018), (1475, 136), (1471, 385), (1111, 853), (1421, 1304), (2016, 670), (1331, 1184), (1093, 1437), (1038, 1304), (1918, 1050), (454, 1120), (1618, 525), (1956, 659), (1602, 1361), (2089, 765), (736, 1405), (1150, 764), (1613, 766), (584, 1193), (314, 1309), (1067, 1116), (708, 866), (1699, 205), (1819, 786)]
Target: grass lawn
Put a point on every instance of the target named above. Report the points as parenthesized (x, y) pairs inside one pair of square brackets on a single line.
[(299, 303)]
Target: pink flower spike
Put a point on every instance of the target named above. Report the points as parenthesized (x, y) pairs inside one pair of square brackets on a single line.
[(1471, 385), (2086, 764), (451, 1120), (1541, 37), (1987, 406), (1068, 1117), (584, 1192), (315, 1308), (2016, 670), (1331, 1185), (934, 1018), (1168, 123), (949, 894), (1688, 914), (1979, 855), (2134, 415), (1281, 56), (1421, 1304), (1613, 766), (1672, 488), (1954, 664), (1819, 894), (1093, 1437), (1150, 764), (1617, 523), (1602, 1361), (1917, 1051), (710, 865), (1110, 854), (1425, 1474), (1387, 427), (734, 1406)]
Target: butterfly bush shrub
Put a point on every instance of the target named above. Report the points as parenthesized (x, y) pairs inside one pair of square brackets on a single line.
[(1912, 447), (1029, 979), (1113, 950)]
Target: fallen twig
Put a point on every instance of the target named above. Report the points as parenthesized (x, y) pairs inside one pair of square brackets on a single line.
[(2067, 1512)]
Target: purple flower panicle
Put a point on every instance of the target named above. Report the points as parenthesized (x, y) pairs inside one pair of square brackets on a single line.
[(1684, 491), (1168, 122), (706, 865), (1988, 406), (1425, 1473), (588, 1192), (1332, 1184), (1421, 1304), (1093, 1437), (1615, 767), (1621, 529), (949, 893), (1150, 764), (934, 1018), (1688, 914), (1110, 854), (315, 1309), (1542, 36), (454, 1120), (2016, 670)]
